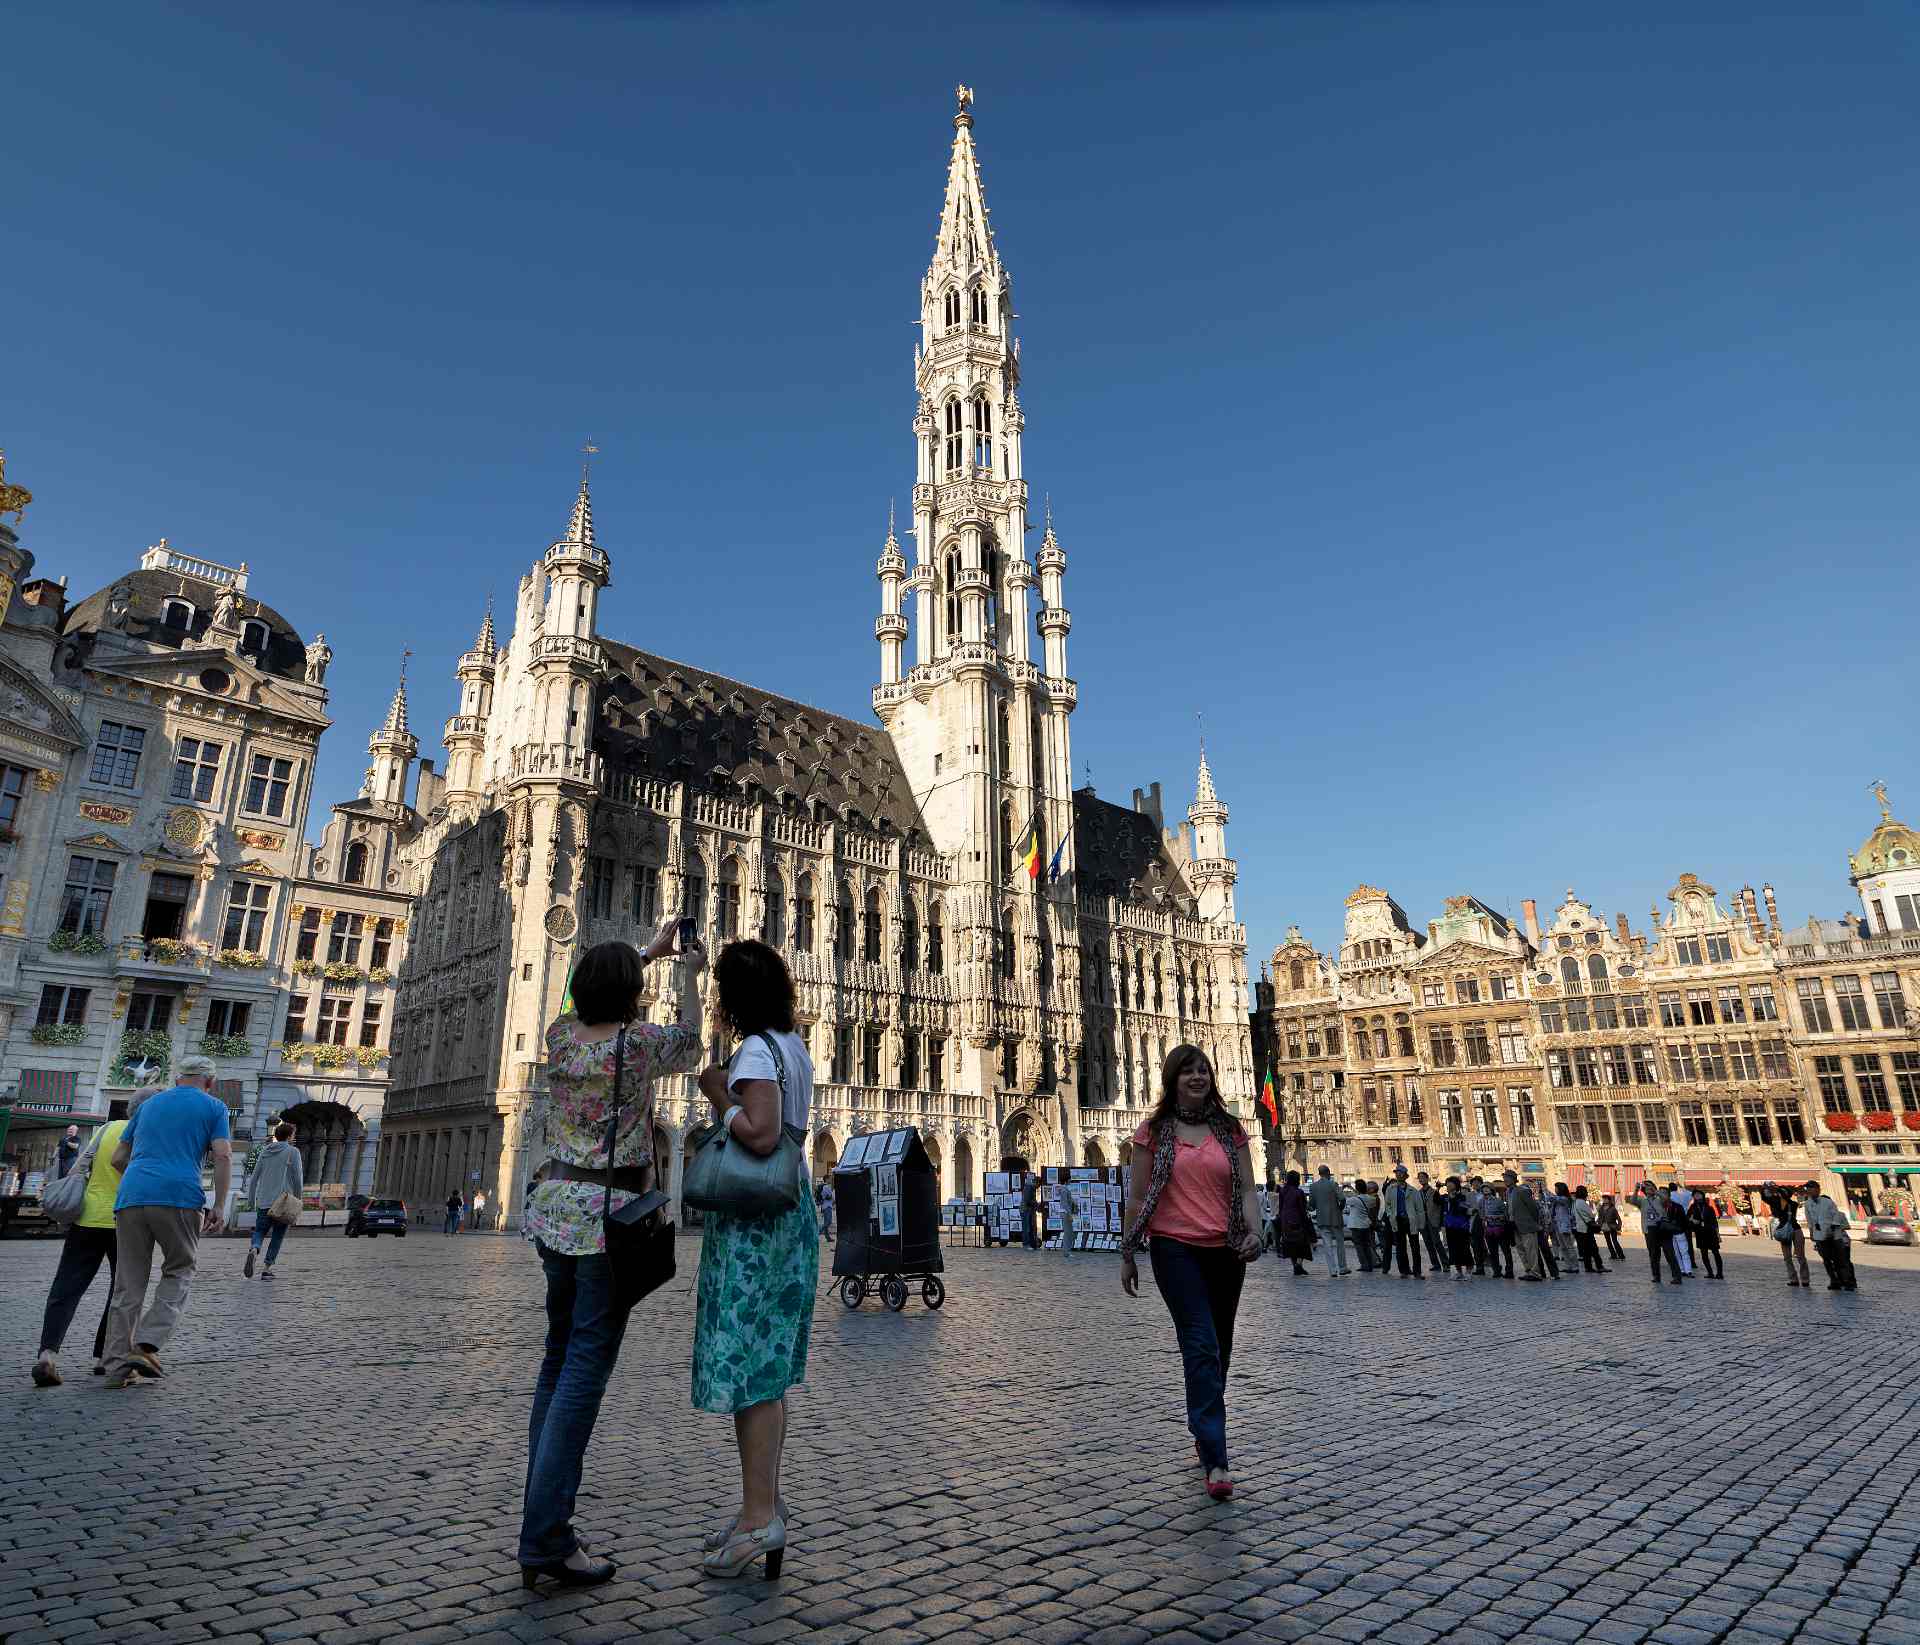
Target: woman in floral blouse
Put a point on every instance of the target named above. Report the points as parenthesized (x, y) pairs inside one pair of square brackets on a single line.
[(564, 1216)]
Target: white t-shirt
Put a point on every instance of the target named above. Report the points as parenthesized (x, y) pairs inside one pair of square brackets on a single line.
[(753, 1061)]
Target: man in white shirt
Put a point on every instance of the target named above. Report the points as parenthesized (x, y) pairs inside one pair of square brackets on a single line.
[(1827, 1228)]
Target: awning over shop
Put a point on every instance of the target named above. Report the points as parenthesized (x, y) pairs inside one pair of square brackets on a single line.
[(1887, 1167)]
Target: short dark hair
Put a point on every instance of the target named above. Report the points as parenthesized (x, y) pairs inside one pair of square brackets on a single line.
[(756, 989), (283, 1132), (606, 984)]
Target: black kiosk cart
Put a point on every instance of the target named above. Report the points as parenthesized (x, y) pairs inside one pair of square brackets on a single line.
[(887, 1220)]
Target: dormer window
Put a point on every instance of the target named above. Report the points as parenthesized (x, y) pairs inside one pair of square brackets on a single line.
[(178, 615), (356, 869), (253, 637)]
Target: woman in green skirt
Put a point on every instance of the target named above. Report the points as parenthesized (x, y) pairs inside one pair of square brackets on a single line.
[(758, 1274)]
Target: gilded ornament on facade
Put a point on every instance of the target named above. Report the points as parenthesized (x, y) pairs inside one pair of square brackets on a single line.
[(560, 923), (183, 828), (260, 839), (46, 781), (99, 811), (1365, 893), (13, 499)]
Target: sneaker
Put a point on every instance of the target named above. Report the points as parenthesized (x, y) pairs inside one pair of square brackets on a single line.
[(266, 1273), (248, 1270), (146, 1361)]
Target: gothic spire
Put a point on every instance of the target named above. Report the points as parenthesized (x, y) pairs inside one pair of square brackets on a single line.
[(580, 528), (487, 642), (1204, 794), (396, 721), (965, 240)]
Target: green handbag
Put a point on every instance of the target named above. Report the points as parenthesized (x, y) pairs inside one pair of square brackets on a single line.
[(724, 1176)]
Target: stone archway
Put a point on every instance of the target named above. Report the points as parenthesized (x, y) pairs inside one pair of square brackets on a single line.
[(1025, 1144), (329, 1136), (935, 1158), (826, 1154), (962, 1168), (1126, 1153), (1095, 1154)]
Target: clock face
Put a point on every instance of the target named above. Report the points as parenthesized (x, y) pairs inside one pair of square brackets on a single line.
[(560, 923)]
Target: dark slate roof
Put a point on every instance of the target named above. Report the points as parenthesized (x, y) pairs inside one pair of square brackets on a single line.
[(1118, 851), (675, 722), (286, 654)]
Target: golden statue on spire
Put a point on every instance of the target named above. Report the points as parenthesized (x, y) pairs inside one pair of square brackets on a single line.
[(964, 96), (13, 499), (1880, 794)]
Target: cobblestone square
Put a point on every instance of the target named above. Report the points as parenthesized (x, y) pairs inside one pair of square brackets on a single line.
[(336, 1458)]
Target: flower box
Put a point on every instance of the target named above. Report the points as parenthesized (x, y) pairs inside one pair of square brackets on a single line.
[(57, 1033), (77, 942), (1879, 1122), (226, 1045), (1911, 1120), (241, 959), (379, 974), (171, 951), (1841, 1122), (341, 971), (306, 968)]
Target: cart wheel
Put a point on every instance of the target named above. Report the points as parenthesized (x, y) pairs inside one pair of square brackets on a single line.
[(853, 1290), (893, 1292), (932, 1292)]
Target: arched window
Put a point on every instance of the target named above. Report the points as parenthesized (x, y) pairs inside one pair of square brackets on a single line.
[(936, 942), (978, 306), (990, 563), (803, 915), (1139, 983), (1006, 840), (178, 615), (1005, 939), (1597, 967), (727, 911), (910, 939), (870, 927), (843, 935), (1403, 1033), (1004, 721), (356, 868), (951, 309), (774, 925), (1297, 973), (1036, 754), (983, 435), (956, 437), (953, 595), (253, 637), (1097, 979), (1159, 991), (1570, 970)]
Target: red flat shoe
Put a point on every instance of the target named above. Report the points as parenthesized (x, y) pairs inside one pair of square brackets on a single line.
[(1219, 1489)]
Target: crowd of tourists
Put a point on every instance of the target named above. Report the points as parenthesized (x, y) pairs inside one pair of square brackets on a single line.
[(1470, 1228)]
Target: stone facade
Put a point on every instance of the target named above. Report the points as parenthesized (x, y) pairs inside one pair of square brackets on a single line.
[(981, 950), (1715, 1048)]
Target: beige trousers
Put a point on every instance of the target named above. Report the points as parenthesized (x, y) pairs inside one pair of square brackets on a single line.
[(140, 1229)]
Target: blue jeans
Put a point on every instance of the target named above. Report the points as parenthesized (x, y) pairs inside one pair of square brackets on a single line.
[(261, 1223), (1200, 1285), (584, 1328)]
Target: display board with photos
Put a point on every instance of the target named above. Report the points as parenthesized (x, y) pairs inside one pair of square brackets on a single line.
[(1099, 1196)]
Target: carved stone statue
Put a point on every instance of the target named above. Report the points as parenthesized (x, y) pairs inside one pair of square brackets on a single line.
[(319, 654), (226, 609), (120, 605)]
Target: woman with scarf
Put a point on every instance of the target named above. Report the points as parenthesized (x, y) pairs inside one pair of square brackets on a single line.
[(1190, 1201), (1293, 1223)]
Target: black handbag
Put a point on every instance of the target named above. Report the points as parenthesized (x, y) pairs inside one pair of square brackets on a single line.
[(639, 1237)]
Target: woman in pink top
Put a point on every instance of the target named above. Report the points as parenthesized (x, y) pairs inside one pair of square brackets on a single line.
[(1190, 1200)]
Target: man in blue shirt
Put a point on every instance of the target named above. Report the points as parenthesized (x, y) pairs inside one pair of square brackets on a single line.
[(161, 1204)]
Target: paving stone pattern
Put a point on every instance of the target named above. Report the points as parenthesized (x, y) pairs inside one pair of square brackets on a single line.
[(337, 1458)]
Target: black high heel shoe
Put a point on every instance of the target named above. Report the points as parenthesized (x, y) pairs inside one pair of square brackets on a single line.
[(568, 1576)]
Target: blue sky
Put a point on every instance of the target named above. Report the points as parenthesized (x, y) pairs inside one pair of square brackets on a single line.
[(1498, 420)]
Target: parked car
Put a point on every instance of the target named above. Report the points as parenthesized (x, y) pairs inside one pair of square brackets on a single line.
[(378, 1216), (1889, 1231)]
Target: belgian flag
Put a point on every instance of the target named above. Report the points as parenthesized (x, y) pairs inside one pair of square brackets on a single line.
[(1030, 851)]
